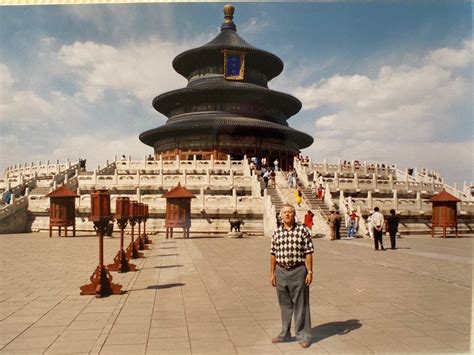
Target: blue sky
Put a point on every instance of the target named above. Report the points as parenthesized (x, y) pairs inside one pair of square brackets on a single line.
[(380, 81)]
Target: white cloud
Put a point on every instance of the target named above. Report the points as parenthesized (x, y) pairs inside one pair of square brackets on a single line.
[(141, 70), (22, 107), (453, 58), (397, 99), (400, 115)]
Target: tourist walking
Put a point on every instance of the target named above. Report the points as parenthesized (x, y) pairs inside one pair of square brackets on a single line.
[(320, 192), (275, 164), (272, 179), (8, 196), (298, 197), (378, 221), (291, 272), (353, 224), (266, 176), (308, 221), (337, 225), (291, 177), (392, 228)]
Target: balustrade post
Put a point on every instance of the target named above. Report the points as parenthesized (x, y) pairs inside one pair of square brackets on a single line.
[(234, 199), (325, 165), (370, 200), (395, 200), (177, 162), (356, 180), (139, 195), (390, 181), (374, 180), (138, 177), (212, 161), (353, 166), (208, 178), (228, 162), (419, 204), (365, 167), (194, 162), (339, 167), (184, 178), (203, 199)]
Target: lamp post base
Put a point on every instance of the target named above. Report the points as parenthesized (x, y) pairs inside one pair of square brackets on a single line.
[(132, 251), (101, 284), (141, 243), (121, 263)]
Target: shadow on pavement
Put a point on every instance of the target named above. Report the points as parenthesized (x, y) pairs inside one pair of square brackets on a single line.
[(327, 330), (159, 287)]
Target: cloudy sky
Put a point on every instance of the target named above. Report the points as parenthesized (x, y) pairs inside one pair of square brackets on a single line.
[(379, 81)]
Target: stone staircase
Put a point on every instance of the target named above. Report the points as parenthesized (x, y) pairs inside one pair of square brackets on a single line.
[(320, 206)]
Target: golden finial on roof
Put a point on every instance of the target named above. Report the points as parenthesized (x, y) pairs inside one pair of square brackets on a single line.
[(228, 13), (228, 16)]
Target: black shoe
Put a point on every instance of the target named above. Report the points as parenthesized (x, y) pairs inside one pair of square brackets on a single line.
[(382, 248)]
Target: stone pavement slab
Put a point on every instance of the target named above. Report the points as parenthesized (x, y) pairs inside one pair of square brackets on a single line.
[(211, 295)]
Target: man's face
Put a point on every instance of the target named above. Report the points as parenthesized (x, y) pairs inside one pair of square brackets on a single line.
[(288, 215)]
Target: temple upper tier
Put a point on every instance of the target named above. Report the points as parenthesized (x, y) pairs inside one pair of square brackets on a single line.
[(227, 108)]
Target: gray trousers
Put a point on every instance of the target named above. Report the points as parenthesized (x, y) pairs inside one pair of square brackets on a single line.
[(293, 297)]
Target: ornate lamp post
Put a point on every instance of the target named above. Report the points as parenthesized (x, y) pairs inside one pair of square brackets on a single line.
[(122, 213), (145, 217), (140, 240), (132, 251), (101, 281)]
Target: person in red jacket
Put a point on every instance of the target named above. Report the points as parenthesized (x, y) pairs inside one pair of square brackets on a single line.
[(308, 221)]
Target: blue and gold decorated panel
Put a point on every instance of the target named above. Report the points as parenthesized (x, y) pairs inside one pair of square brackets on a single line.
[(234, 65)]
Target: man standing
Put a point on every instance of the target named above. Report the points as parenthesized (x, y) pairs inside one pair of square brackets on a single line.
[(378, 222), (291, 272), (392, 227)]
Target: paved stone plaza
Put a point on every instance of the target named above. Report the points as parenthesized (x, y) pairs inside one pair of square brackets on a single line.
[(212, 295)]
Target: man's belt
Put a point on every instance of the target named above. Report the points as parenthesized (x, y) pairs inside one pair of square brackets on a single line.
[(290, 267)]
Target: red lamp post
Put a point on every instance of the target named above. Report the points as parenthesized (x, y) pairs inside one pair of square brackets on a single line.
[(132, 251), (140, 240), (101, 281), (122, 213)]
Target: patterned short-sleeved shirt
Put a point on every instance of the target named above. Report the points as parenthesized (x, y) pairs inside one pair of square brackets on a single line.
[(291, 246)]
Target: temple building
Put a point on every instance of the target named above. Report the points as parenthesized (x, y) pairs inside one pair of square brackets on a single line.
[(227, 107)]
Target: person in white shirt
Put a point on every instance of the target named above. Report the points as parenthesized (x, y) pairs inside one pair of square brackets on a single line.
[(378, 223)]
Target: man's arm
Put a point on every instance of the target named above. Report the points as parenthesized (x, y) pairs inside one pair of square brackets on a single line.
[(309, 267), (272, 270)]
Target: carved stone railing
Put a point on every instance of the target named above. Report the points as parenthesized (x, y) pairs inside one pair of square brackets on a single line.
[(208, 203), (29, 171), (301, 172), (178, 166), (16, 204), (269, 216), (364, 168), (163, 180)]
